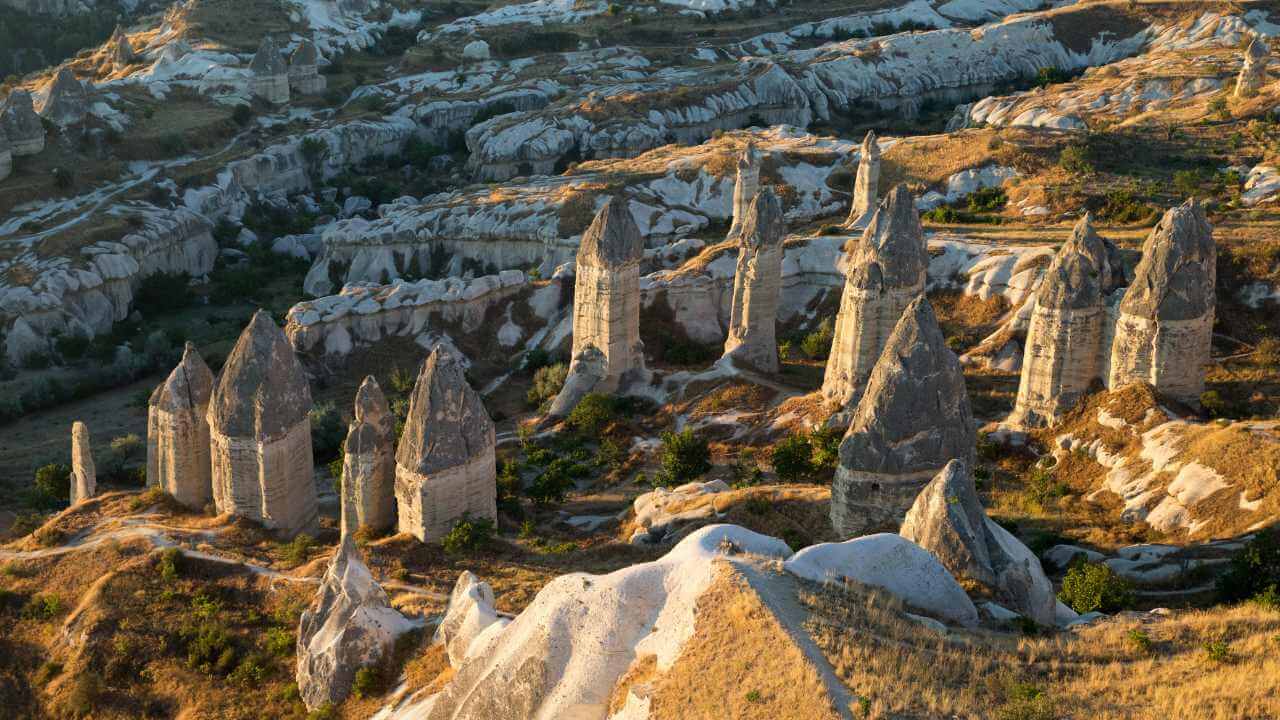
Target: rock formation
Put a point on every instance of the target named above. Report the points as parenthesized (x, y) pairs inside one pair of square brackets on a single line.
[(445, 467), (270, 74), (21, 123), (350, 625), (120, 51), (1164, 328), (756, 284), (369, 465), (606, 306), (746, 187), (6, 155), (178, 432), (1063, 353), (469, 616), (885, 271), (84, 475), (67, 101), (304, 70), (260, 434), (1253, 74), (912, 420), (866, 183), (947, 519)]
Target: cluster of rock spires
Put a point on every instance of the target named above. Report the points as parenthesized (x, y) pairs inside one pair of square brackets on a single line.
[(1253, 74), (273, 78)]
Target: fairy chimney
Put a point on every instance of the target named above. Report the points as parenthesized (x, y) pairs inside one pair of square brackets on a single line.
[(120, 51), (304, 70), (260, 432), (746, 187), (178, 432), (270, 74), (1253, 73), (445, 466), (754, 314), (84, 476), (66, 102), (369, 464), (21, 124), (866, 183)]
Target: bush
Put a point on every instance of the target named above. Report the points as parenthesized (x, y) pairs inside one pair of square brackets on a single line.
[(297, 550), (169, 565), (1075, 160), (547, 381), (63, 179), (53, 481), (592, 414), (1090, 587), (1254, 571), (825, 442), (553, 483), (1213, 403), (685, 457), (242, 114), (468, 534), (42, 607), (210, 649), (86, 692), (327, 432), (792, 458), (365, 683), (817, 344)]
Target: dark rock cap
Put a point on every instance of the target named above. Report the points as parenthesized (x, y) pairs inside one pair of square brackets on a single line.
[(612, 238), (305, 54), (447, 424), (189, 386), (1081, 273), (763, 226), (263, 391), (892, 250), (267, 61), (1175, 278)]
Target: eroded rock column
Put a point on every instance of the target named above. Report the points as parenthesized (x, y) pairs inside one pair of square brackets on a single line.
[(178, 432), (1253, 74), (304, 70), (21, 123), (121, 52), (866, 183), (84, 474), (270, 74), (746, 187), (754, 315), (66, 102), (368, 465)]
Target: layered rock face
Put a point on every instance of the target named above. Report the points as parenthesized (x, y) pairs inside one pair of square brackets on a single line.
[(21, 123), (745, 187), (1063, 353), (260, 434), (756, 281), (913, 419), (178, 432), (445, 466), (1253, 74), (304, 70), (369, 465), (349, 626), (1164, 328), (866, 183), (270, 74), (67, 101), (886, 270), (947, 519), (84, 475)]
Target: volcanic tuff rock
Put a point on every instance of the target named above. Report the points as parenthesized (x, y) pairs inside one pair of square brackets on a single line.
[(304, 70), (886, 270), (260, 432), (445, 466), (270, 74), (755, 286), (178, 432), (866, 183), (1164, 331), (745, 186), (66, 102), (84, 476), (119, 49), (947, 519), (1253, 74), (349, 626), (21, 123), (469, 620), (6, 154), (369, 465), (912, 420)]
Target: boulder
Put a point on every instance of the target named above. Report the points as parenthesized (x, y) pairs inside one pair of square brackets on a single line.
[(304, 70), (21, 124), (476, 50), (1253, 72)]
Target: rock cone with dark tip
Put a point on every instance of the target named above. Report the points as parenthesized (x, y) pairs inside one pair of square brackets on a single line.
[(369, 465), (178, 432), (754, 315), (66, 102), (120, 50)]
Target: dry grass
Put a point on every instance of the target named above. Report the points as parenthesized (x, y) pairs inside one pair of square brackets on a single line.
[(798, 514)]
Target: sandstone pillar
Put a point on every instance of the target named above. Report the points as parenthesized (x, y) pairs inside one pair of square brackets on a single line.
[(270, 74), (304, 70), (746, 186), (865, 184), (178, 432), (84, 475), (1253, 74), (121, 52), (754, 314), (368, 465), (21, 123)]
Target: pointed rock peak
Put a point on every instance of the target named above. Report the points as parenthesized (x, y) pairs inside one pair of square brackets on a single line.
[(947, 519), (870, 146), (65, 83), (1176, 276), (894, 239), (189, 386), (263, 391), (613, 238), (918, 325), (305, 54), (764, 224), (749, 157), (447, 424), (267, 60), (371, 404), (1257, 49)]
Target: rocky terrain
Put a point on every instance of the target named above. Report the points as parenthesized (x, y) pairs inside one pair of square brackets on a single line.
[(664, 359)]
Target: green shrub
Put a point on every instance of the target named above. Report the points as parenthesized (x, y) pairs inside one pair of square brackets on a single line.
[(547, 381), (817, 344), (1213, 403), (42, 607), (1217, 651), (327, 431), (210, 649), (324, 712), (72, 347), (592, 414), (554, 482), (792, 458), (1075, 160), (1095, 586), (1139, 640), (86, 691), (1044, 488), (279, 641), (297, 550), (685, 457), (53, 481), (169, 564), (1254, 571), (468, 534), (825, 442), (252, 670), (366, 682)]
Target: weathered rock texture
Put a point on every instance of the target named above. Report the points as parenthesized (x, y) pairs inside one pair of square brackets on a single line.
[(1253, 74), (469, 615), (947, 519), (260, 434), (270, 74), (885, 271), (1164, 327), (866, 183), (746, 186), (21, 123), (6, 155), (67, 101), (349, 626), (756, 281), (445, 466), (178, 432), (120, 50), (606, 304), (369, 465), (84, 475), (1063, 354), (304, 70), (913, 419)]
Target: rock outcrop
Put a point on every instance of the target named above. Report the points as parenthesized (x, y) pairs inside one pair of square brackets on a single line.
[(6, 155), (66, 102), (1253, 74), (84, 475), (304, 70), (1164, 328), (445, 465), (606, 303), (120, 50), (947, 519), (866, 183), (369, 464), (469, 619), (1063, 354), (350, 625), (751, 339), (270, 74), (178, 432), (21, 123), (745, 187), (260, 432), (886, 269), (913, 419)]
